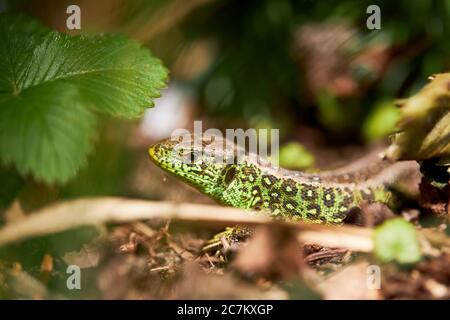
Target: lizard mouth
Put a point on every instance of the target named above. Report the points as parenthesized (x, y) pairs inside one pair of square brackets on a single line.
[(151, 153)]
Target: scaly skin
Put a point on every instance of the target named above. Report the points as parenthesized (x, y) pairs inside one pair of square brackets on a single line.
[(324, 197)]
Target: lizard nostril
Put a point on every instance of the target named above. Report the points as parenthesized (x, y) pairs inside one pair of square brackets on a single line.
[(192, 157)]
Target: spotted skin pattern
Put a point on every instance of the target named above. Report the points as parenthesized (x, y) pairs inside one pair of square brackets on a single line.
[(321, 198)]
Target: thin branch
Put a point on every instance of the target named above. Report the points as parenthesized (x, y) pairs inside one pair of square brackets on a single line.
[(96, 211)]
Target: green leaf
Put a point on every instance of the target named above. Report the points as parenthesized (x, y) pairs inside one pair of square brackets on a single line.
[(50, 84), (396, 240), (46, 131)]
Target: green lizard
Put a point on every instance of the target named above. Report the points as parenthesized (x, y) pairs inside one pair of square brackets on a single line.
[(324, 197)]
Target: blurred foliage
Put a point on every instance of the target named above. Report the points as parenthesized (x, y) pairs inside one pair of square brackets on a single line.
[(109, 168), (253, 67), (246, 66), (333, 114), (29, 253), (295, 156), (255, 71), (396, 240), (381, 121)]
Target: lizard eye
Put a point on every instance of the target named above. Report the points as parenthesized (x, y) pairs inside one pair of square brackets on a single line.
[(192, 156), (230, 174)]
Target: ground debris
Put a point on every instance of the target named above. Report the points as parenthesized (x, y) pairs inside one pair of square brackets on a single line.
[(434, 200), (271, 253), (348, 283), (214, 286), (325, 257), (165, 260), (430, 279)]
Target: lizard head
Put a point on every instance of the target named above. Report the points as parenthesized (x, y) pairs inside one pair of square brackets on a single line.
[(199, 162), (215, 166)]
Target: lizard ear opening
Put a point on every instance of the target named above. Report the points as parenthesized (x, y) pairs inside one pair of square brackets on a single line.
[(230, 174)]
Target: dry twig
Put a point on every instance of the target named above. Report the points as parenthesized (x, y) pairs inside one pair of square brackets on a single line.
[(98, 211)]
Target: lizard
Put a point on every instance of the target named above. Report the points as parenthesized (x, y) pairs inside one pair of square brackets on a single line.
[(253, 183)]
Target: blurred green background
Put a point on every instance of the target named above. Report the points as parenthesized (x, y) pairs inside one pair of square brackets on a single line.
[(309, 68)]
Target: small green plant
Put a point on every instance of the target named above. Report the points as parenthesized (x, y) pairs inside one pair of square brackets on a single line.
[(52, 85), (295, 155), (396, 240)]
